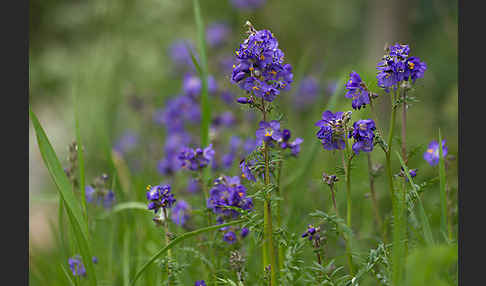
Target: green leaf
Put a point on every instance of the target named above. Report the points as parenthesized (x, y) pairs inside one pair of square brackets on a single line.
[(68, 277), (429, 238), (178, 240), (76, 218)]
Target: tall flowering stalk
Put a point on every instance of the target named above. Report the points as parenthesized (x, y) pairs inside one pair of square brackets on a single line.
[(261, 73), (395, 71), (160, 197)]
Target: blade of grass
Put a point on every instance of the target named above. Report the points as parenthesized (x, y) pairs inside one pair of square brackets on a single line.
[(429, 238), (126, 258), (178, 240), (443, 194), (206, 109), (68, 277), (70, 203), (80, 160)]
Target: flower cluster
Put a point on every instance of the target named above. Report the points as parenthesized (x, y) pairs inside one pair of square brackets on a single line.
[(363, 135), (396, 66), (180, 212), (259, 69), (226, 194), (357, 90), (331, 132), (196, 159), (432, 154), (159, 197), (329, 179), (412, 172), (312, 232)]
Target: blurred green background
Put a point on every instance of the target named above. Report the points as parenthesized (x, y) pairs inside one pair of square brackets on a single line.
[(109, 53)]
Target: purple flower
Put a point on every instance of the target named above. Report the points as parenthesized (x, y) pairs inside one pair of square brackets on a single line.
[(246, 172), (363, 135), (90, 193), (307, 92), (217, 34), (295, 146), (432, 153), (259, 69), (269, 131), (228, 192), (396, 67), (247, 5), (180, 212), (244, 232), (226, 119), (192, 85), (193, 186), (180, 53), (200, 283), (415, 68), (331, 130), (159, 197), (196, 159), (126, 142), (108, 199), (77, 266), (357, 90), (229, 237), (311, 232)]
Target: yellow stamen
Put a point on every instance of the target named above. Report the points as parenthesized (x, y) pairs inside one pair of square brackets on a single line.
[(273, 72), (243, 176), (241, 194), (262, 57), (430, 150), (255, 88), (268, 134), (234, 66), (251, 68), (411, 65), (149, 187)]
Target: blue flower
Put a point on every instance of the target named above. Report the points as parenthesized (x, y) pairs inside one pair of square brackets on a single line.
[(331, 132), (432, 154), (363, 134), (229, 237), (269, 131), (77, 266), (180, 212), (357, 90), (159, 196), (200, 283), (259, 69)]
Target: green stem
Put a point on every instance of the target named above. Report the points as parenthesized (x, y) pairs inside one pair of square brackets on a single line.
[(268, 253), (373, 194), (280, 248), (347, 168), (167, 242)]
